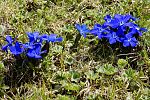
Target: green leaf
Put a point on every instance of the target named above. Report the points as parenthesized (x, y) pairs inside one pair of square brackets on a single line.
[(58, 49), (5, 87), (91, 75), (75, 76), (72, 86), (1, 66), (129, 73), (64, 97), (69, 60), (107, 69)]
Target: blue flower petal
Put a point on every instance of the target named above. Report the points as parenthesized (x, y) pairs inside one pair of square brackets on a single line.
[(52, 37), (31, 53), (107, 18), (16, 49), (143, 29), (77, 26), (134, 39), (37, 56), (112, 41), (59, 39), (13, 50), (4, 48), (126, 43), (37, 48), (133, 44), (82, 29), (129, 35), (9, 39), (114, 23), (126, 18), (118, 16), (33, 36), (94, 31), (44, 37), (100, 35)]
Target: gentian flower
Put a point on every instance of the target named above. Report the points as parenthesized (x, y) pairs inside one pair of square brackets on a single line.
[(121, 31), (9, 41), (120, 28), (99, 30), (137, 30), (82, 29), (107, 18), (28, 45), (129, 40), (50, 38), (33, 36), (34, 48), (113, 38), (17, 49), (35, 52), (54, 38), (44, 37), (118, 20)]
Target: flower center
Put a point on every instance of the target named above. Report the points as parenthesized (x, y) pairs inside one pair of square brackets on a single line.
[(129, 39), (121, 23), (100, 29)]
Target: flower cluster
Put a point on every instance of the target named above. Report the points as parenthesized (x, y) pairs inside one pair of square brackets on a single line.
[(120, 28), (33, 48)]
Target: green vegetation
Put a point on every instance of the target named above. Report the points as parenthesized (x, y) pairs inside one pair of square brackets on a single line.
[(91, 71)]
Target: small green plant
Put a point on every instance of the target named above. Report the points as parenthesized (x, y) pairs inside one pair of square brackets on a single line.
[(122, 63), (107, 69)]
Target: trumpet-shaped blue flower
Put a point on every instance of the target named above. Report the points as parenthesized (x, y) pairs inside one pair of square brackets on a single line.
[(54, 38), (99, 30), (137, 30), (50, 38), (33, 36), (35, 52), (118, 20), (28, 45), (113, 38), (17, 49), (44, 37), (82, 29), (107, 18), (129, 41), (34, 48), (120, 28), (9, 41)]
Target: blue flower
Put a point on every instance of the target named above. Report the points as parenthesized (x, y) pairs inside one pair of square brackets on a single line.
[(54, 38), (9, 41), (121, 31), (17, 49), (113, 38), (44, 37), (99, 30), (28, 45), (33, 36), (82, 29), (35, 52), (137, 30), (50, 38), (129, 41), (107, 18), (34, 46), (118, 20)]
